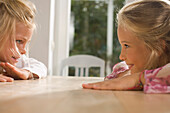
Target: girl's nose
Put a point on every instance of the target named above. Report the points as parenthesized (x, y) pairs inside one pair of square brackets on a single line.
[(23, 51), (122, 56)]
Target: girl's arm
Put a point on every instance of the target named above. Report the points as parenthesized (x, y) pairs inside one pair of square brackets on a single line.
[(157, 80), (130, 82), (16, 73), (151, 81), (26, 68)]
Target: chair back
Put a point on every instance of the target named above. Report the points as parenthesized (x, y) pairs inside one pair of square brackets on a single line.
[(83, 62)]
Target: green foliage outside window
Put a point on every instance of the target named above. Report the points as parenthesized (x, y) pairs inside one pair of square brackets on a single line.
[(90, 22)]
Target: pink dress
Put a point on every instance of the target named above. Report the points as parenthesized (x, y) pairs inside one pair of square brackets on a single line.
[(156, 80)]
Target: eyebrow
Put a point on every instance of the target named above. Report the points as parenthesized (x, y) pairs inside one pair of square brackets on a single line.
[(24, 38), (125, 42)]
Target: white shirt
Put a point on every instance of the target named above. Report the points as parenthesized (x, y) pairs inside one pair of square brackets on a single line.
[(32, 65)]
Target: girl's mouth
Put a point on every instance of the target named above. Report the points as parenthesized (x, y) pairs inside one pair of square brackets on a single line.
[(14, 59)]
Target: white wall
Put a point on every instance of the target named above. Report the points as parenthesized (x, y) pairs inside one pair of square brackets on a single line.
[(48, 32), (40, 40), (61, 30)]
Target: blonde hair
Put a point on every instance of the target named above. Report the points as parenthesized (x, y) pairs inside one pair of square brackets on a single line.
[(149, 20), (11, 13)]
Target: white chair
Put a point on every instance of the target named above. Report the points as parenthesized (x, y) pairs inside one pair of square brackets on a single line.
[(81, 62)]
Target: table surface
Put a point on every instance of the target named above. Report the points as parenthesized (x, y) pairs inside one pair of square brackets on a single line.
[(65, 95)]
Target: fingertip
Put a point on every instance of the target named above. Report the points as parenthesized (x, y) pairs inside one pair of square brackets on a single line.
[(87, 86), (2, 63), (10, 80), (7, 63), (84, 85), (3, 80)]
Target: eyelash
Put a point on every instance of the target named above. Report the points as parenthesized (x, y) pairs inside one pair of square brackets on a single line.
[(19, 41), (126, 46)]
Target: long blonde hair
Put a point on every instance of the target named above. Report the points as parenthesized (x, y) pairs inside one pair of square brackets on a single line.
[(149, 20), (11, 13)]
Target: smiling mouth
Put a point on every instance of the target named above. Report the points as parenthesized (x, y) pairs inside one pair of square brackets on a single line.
[(13, 57), (16, 59)]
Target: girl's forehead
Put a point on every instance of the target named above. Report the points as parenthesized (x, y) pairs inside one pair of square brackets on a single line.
[(20, 25), (126, 35), (23, 31)]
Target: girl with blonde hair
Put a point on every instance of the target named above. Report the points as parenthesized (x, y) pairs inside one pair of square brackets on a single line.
[(144, 35), (17, 26)]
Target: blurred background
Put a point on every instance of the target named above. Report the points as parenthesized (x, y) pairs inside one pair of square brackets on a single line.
[(73, 27)]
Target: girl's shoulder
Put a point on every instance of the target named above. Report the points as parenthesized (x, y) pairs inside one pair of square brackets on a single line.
[(157, 80), (158, 72), (117, 69)]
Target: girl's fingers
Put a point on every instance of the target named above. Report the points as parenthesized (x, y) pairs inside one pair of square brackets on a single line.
[(6, 79), (2, 64), (105, 85), (121, 83), (9, 79), (3, 80), (15, 72), (113, 84), (87, 86), (5, 67), (102, 85), (10, 69), (97, 85)]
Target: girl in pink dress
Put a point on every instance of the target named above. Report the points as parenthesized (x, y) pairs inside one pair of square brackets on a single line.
[(144, 35)]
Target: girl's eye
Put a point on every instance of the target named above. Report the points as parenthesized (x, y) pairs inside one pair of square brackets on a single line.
[(19, 41), (126, 46)]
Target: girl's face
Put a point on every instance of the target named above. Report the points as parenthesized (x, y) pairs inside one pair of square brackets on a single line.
[(22, 37), (134, 52)]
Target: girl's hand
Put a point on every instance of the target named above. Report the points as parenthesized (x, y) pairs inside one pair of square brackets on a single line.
[(121, 83), (5, 78), (14, 72)]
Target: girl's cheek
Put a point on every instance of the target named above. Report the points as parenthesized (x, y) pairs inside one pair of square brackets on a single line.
[(20, 47)]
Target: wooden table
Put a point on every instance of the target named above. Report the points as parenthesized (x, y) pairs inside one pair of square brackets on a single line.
[(65, 95)]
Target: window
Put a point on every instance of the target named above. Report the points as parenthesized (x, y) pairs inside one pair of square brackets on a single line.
[(90, 32)]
